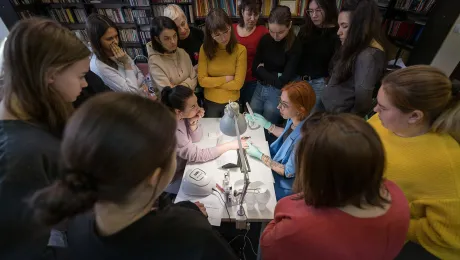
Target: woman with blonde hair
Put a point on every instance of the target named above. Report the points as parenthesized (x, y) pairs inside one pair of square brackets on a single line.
[(190, 38), (418, 120), (41, 80)]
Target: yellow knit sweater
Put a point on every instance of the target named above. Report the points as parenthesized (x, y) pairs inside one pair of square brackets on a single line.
[(211, 74), (427, 169)]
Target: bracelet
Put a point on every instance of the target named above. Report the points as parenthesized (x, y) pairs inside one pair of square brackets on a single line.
[(271, 128)]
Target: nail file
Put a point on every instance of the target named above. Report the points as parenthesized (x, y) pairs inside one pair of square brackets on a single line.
[(249, 109)]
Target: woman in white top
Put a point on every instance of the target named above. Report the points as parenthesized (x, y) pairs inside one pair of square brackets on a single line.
[(110, 62)]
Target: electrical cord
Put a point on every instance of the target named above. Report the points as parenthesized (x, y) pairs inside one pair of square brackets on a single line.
[(223, 201)]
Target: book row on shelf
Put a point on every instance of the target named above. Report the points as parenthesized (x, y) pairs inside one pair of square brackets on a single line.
[(82, 35), (139, 2), (171, 1), (128, 35), (145, 37), (62, 1), (405, 31), (158, 10), (22, 2), (68, 15), (417, 6), (133, 52), (117, 15)]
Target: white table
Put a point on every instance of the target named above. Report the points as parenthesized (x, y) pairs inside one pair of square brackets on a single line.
[(259, 172)]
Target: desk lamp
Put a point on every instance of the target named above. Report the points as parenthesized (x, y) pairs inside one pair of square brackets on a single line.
[(234, 124)]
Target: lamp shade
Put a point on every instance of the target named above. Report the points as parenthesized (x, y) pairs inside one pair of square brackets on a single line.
[(227, 123)]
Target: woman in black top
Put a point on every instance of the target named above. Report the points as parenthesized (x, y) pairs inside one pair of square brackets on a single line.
[(118, 155), (319, 43), (361, 60), (44, 71), (275, 63)]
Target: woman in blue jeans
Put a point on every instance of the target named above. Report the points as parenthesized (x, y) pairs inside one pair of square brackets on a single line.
[(319, 41), (296, 102), (275, 63)]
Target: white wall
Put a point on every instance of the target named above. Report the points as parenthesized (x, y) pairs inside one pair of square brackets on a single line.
[(448, 55), (3, 30)]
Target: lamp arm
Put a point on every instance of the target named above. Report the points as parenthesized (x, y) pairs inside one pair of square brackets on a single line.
[(244, 168)]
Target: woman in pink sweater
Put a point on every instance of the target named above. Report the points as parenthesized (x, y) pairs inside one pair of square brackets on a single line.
[(343, 208), (183, 103)]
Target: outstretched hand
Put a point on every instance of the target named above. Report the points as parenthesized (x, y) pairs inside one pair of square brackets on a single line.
[(254, 151)]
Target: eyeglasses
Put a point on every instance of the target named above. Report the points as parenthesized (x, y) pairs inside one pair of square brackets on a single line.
[(282, 104), (222, 34), (252, 15), (311, 12)]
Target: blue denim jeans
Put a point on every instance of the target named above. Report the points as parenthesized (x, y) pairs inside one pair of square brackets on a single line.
[(246, 93), (265, 102), (318, 86)]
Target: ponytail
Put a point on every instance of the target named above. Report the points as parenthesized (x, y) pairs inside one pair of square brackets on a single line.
[(65, 198), (175, 98), (448, 122)]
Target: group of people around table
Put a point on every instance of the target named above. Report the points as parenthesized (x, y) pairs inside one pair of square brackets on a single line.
[(347, 188)]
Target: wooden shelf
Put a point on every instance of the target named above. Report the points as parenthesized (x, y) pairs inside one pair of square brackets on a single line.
[(126, 25), (75, 26), (171, 3), (401, 44), (131, 44), (64, 5)]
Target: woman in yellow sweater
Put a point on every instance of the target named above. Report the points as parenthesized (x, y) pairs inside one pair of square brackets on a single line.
[(221, 64), (418, 121)]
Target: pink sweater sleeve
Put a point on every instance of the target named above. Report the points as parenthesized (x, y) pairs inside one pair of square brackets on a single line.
[(186, 149)]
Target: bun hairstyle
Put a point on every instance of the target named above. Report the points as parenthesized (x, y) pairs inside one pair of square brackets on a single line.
[(112, 143), (175, 98), (429, 90)]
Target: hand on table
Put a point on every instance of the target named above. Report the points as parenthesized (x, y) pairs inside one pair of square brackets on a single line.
[(234, 144), (254, 151), (258, 119), (202, 208)]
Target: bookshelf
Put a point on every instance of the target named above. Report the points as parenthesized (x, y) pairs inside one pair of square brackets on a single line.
[(132, 17), (404, 24)]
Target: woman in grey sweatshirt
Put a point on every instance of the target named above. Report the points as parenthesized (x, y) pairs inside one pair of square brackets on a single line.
[(360, 63)]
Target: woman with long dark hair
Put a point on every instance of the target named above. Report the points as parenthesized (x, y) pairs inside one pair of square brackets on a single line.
[(222, 63), (168, 64), (183, 103), (361, 60), (116, 161), (43, 72), (110, 62), (275, 63), (248, 33), (319, 43)]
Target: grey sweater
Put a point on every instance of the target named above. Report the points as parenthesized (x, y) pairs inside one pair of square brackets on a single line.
[(355, 94)]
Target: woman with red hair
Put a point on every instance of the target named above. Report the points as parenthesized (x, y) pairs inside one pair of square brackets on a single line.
[(296, 101)]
